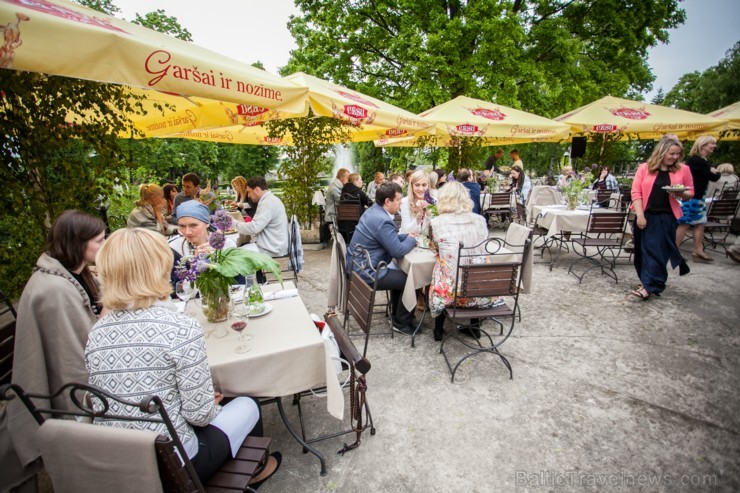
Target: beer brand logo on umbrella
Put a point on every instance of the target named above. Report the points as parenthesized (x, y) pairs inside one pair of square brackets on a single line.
[(395, 132), (494, 114), (604, 128), (467, 129), (355, 112), (357, 98), (631, 113), (65, 13), (270, 140), (249, 110)]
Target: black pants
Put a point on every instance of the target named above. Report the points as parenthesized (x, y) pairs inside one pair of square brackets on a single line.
[(214, 449), (655, 246), (395, 280)]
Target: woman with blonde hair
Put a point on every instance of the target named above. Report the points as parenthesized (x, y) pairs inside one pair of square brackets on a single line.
[(148, 211), (414, 218), (658, 209), (695, 210), (144, 346), (456, 223)]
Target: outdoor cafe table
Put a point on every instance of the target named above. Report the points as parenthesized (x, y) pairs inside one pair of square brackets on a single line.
[(557, 218), (288, 355)]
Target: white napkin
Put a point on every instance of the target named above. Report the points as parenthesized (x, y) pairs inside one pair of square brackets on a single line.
[(278, 295)]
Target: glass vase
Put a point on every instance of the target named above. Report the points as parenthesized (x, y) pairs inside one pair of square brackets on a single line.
[(253, 295), (572, 202), (215, 307)]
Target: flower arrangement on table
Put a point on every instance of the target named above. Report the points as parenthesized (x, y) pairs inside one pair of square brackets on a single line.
[(575, 187), (214, 273)]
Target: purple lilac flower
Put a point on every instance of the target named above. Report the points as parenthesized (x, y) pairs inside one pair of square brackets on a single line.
[(217, 240), (188, 268), (222, 221), (428, 198)]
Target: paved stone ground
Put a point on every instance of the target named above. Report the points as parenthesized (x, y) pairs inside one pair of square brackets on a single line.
[(609, 393)]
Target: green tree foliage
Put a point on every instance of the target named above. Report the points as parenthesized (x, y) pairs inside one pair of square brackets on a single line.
[(715, 88), (369, 160), (313, 137), (544, 56), (704, 92), (163, 23), (50, 165)]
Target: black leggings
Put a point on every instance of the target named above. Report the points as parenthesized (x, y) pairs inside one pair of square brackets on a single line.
[(214, 449)]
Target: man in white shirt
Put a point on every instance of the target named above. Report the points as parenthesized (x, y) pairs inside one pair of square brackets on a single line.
[(372, 187), (334, 193), (269, 226)]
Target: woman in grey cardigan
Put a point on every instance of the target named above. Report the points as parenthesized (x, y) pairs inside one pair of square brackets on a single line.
[(56, 311)]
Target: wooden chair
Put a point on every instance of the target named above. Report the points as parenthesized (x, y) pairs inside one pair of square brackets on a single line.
[(720, 215), (607, 230), (7, 338), (486, 276), (83, 457), (358, 366), (603, 196), (397, 221), (500, 206), (349, 211), (728, 193), (361, 294)]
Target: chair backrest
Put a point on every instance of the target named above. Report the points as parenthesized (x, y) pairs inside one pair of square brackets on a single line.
[(349, 212), (86, 458), (625, 199), (7, 338), (611, 222), (543, 195), (89, 444), (728, 193), (722, 209), (397, 220), (521, 214), (603, 195), (361, 293), (500, 199)]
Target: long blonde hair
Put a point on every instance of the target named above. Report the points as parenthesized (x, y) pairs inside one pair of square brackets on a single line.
[(147, 191), (134, 268), (655, 161), (415, 177)]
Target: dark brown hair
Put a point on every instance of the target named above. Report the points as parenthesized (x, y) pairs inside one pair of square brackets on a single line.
[(191, 178), (67, 240), (257, 182)]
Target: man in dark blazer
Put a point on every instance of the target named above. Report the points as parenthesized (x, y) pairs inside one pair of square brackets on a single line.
[(377, 233)]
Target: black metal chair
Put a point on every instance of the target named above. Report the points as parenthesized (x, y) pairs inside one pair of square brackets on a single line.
[(500, 207), (176, 474), (720, 215), (486, 276), (358, 366), (7, 338), (607, 228)]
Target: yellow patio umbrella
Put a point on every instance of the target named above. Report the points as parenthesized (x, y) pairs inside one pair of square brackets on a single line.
[(370, 118), (635, 120), (62, 38), (731, 129), (494, 124)]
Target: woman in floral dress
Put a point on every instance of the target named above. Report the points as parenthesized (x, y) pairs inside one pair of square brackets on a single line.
[(456, 223)]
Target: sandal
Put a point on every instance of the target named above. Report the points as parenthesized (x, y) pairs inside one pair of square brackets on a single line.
[(271, 466), (702, 258), (640, 293)]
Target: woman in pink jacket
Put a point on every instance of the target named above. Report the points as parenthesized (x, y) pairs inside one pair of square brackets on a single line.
[(657, 211)]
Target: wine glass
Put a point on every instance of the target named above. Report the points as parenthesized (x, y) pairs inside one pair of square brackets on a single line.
[(184, 291), (242, 315)]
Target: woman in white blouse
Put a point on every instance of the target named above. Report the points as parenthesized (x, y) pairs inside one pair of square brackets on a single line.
[(414, 218), (144, 346)]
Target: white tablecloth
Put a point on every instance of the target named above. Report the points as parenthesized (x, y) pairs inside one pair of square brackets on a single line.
[(288, 354), (557, 218)]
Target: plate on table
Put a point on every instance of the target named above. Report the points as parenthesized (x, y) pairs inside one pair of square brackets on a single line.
[(268, 309), (230, 231), (675, 189)]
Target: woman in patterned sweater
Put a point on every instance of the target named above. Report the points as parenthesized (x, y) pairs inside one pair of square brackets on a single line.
[(144, 346)]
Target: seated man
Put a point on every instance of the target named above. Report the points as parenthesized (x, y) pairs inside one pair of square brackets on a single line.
[(334, 193), (269, 226), (376, 232)]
